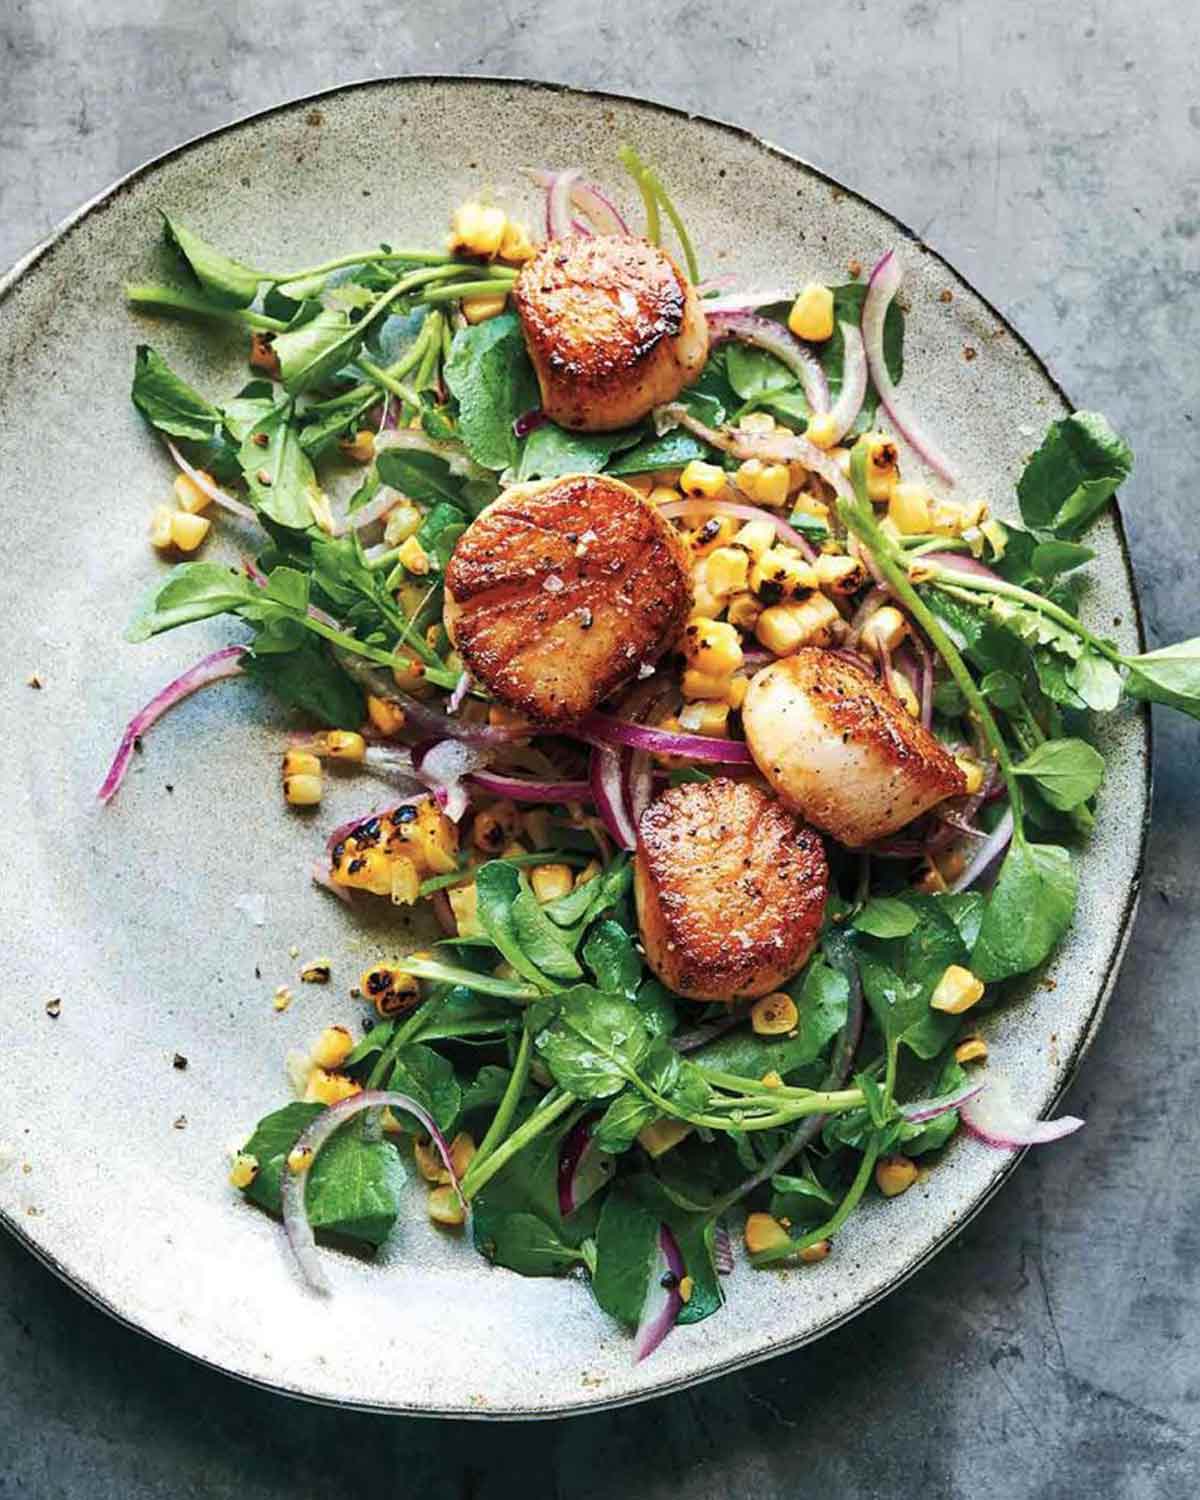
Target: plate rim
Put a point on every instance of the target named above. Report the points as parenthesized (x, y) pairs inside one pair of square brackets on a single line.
[(591, 96)]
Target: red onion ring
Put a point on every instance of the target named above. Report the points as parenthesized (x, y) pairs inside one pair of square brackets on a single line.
[(722, 1251), (521, 789), (742, 301), (321, 876), (920, 1110), (663, 1302), (674, 509), (558, 202), (213, 491), (987, 854), (366, 515), (846, 408), (608, 733), (994, 1119), (529, 422), (748, 328), (607, 792), (958, 562), (583, 1169)]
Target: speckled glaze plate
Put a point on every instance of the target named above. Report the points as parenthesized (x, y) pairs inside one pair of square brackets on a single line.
[(112, 1160)]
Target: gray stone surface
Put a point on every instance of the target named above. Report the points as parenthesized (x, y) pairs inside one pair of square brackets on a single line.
[(1050, 152)]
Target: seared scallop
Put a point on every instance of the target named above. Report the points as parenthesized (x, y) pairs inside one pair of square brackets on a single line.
[(561, 590), (730, 890), (613, 326), (841, 750)]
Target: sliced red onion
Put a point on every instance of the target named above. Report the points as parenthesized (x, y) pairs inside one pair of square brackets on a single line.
[(639, 783), (529, 422), (213, 491), (987, 854), (321, 876), (212, 668), (558, 203), (385, 413), (854, 382), (292, 1184), (994, 1118), (586, 197), (722, 1251), (607, 791), (663, 1302), (608, 732), (742, 301), (871, 605), (583, 1169), (442, 766), (674, 509), (882, 287), (921, 1110), (725, 282), (420, 720), (748, 328), (925, 693), (958, 562), (522, 789), (580, 228), (367, 515), (772, 447), (459, 696)]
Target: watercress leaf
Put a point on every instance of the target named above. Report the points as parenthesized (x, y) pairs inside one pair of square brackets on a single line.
[(497, 886), (610, 955), (1028, 910), (227, 281), (657, 1008), (626, 1253), (241, 413), (1067, 772), (307, 678), (670, 451), (1079, 467), (674, 1078), (789, 407), (310, 354), (948, 699), (490, 375), (1170, 675), (549, 451), (899, 977), (522, 1242), (279, 474), (594, 896), (821, 996), (529, 1184), (1002, 689), (168, 402), (429, 1078), (544, 944), (1049, 559), (800, 1200), (190, 591), (752, 372), (440, 529), (596, 1044), (1096, 681), (617, 1128), (486, 1089), (423, 477), (886, 917), (693, 1233), (965, 910)]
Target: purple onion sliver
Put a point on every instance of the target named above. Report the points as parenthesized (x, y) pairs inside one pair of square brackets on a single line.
[(520, 789), (994, 1119), (663, 1300), (990, 851), (959, 562), (213, 491), (854, 382), (748, 328), (529, 421), (612, 733), (604, 777), (722, 1251), (921, 1110), (599, 208)]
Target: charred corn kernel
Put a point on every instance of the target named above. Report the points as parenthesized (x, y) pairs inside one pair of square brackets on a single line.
[(302, 790), (712, 646), (160, 526), (839, 574), (743, 611), (884, 631), (446, 1207), (782, 574), (706, 605), (757, 421), (494, 826), (413, 556), (883, 465), (663, 494), (410, 677), (757, 537), (822, 429), (549, 882), (697, 684), (282, 998), (974, 1049), (405, 521), (300, 763), (462, 1153), (244, 1170), (325, 1087), (661, 1136), (643, 483), (910, 509), (903, 690), (811, 1254), (319, 971), (515, 243), (387, 717), (589, 872), (810, 622), (188, 531), (974, 513), (429, 1161), (772, 1080), (364, 870), (762, 1232), (706, 717), (405, 883), (712, 533), (429, 838), (766, 483), (332, 1047), (477, 228), (360, 449), (191, 497), (738, 688), (345, 744), (300, 1158), (262, 355), (728, 569), (946, 517), (973, 773), (686, 1287), (500, 717), (774, 1015), (535, 826), (894, 1175), (464, 903), (702, 481), (389, 989), (957, 990), (480, 309), (811, 316), (809, 504)]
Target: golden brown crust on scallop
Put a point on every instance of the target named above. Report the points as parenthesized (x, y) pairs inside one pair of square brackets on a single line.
[(559, 591), (730, 890), (613, 328)]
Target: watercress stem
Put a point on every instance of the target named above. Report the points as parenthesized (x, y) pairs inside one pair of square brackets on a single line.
[(367, 258), (947, 579), (170, 299), (553, 1106), (483, 984), (404, 1034), (502, 1119), (634, 165), (381, 377), (831, 1225), (489, 286)]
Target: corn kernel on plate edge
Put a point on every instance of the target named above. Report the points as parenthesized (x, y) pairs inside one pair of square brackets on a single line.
[(127, 914)]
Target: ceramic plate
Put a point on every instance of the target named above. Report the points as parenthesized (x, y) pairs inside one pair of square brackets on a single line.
[(115, 1159)]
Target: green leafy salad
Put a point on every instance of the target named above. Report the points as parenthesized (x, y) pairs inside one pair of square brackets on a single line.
[(711, 940)]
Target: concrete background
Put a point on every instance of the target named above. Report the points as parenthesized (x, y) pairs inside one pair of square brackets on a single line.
[(1048, 150)]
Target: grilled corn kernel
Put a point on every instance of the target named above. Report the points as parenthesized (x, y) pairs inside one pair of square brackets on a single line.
[(738, 688), (706, 605), (360, 449), (589, 872), (410, 677), (405, 883), (728, 568), (839, 574), (894, 1175), (319, 971), (345, 744), (495, 824), (784, 627), (771, 1080), (774, 1015), (884, 631), (302, 790), (811, 1254), (766, 483), (549, 882), (332, 1047), (757, 421), (263, 356), (244, 1170), (387, 717), (364, 870), (189, 494), (972, 772), (462, 1153), (811, 316), (661, 1136), (477, 228), (706, 717), (762, 1232), (188, 531), (414, 557), (464, 903), (957, 990), (903, 690), (946, 518), (300, 763), (160, 526), (809, 504), (446, 1207), (405, 521), (429, 1161), (883, 465), (743, 611), (480, 309), (822, 429), (712, 646), (515, 243), (389, 989), (757, 537), (299, 1159), (696, 684), (701, 480), (974, 1049), (329, 1088), (713, 533), (910, 509), (686, 1287), (782, 574), (282, 998), (663, 494), (429, 838)]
